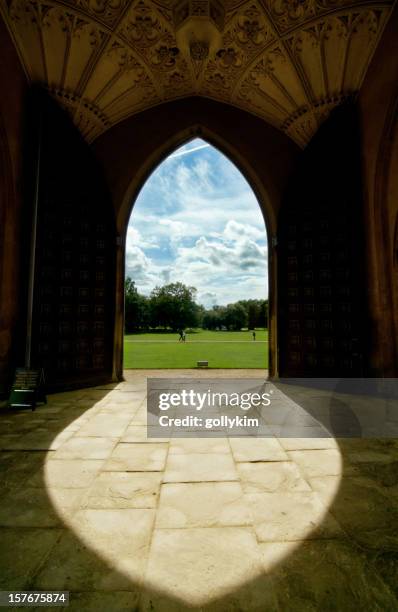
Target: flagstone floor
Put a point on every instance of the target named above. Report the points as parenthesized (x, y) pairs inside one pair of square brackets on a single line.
[(91, 506)]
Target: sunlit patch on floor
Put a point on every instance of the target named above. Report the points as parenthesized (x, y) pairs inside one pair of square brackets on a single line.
[(188, 519)]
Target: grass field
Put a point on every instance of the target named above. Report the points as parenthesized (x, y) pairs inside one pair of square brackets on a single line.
[(222, 349)]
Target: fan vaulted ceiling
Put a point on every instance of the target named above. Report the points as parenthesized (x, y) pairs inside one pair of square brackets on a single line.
[(288, 61)]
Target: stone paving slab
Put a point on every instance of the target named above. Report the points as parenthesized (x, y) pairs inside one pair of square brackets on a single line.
[(202, 504), (124, 490), (122, 536), (126, 522)]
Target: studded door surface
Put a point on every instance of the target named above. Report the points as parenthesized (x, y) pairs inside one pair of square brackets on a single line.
[(74, 289), (321, 266)]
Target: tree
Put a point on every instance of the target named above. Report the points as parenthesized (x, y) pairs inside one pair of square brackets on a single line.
[(174, 306), (252, 314), (200, 315), (136, 308), (235, 316), (257, 312), (212, 319), (263, 314)]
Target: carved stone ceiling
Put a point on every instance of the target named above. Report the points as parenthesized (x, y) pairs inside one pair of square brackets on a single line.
[(287, 61)]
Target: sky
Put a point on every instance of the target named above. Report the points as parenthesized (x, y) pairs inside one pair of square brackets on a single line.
[(197, 221)]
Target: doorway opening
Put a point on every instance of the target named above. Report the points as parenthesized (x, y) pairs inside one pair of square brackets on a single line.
[(196, 267)]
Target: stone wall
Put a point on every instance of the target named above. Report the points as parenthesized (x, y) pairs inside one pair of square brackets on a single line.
[(13, 87), (378, 102)]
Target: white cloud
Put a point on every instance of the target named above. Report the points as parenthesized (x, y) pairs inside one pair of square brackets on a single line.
[(197, 221), (137, 263), (236, 269), (239, 231), (134, 237)]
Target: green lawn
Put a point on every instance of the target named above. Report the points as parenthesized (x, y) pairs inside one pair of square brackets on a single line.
[(222, 349)]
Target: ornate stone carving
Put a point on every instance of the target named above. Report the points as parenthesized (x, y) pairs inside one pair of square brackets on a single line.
[(56, 16), (288, 61), (199, 50), (251, 29), (287, 12), (201, 9), (122, 57), (107, 11), (22, 13), (142, 27), (229, 58), (87, 116), (165, 56), (83, 27)]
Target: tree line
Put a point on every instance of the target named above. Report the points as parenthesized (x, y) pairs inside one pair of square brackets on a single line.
[(173, 306)]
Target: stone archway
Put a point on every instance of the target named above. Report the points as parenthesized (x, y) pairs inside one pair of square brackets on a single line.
[(148, 166), (233, 156), (263, 155)]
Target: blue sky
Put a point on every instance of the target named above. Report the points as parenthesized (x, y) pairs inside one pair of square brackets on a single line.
[(196, 220)]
